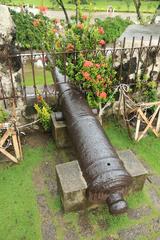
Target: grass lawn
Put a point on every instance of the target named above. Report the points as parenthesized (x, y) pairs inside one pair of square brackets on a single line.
[(20, 218), (98, 5), (39, 76)]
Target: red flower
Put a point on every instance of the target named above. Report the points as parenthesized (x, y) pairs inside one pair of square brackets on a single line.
[(36, 22), (99, 77), (86, 75), (103, 95), (56, 20), (54, 30), (43, 9), (87, 64), (70, 47), (39, 98), (80, 26), (102, 42), (97, 65), (101, 30), (84, 17)]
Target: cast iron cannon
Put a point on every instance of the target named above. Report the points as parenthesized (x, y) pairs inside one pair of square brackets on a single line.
[(104, 172)]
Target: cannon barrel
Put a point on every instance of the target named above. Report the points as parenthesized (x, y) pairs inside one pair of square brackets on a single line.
[(104, 172)]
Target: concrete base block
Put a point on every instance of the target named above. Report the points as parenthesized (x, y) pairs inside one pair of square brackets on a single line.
[(72, 186), (60, 133), (135, 168)]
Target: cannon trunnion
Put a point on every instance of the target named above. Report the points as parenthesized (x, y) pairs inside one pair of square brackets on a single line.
[(104, 172)]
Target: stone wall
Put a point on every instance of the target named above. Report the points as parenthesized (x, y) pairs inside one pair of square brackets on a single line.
[(7, 47)]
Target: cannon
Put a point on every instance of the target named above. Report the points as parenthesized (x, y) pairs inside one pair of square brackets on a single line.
[(106, 177)]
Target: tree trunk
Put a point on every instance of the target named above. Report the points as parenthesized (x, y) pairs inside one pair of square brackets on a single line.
[(77, 17), (60, 2), (137, 4)]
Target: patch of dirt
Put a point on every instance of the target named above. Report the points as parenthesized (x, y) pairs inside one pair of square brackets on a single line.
[(50, 177), (71, 235), (48, 229), (36, 138), (38, 179), (102, 224), (86, 229)]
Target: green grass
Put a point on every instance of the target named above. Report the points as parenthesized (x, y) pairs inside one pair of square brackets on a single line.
[(148, 149), (98, 5), (19, 214), (39, 76)]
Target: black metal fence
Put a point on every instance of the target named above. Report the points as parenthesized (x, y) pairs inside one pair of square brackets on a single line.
[(35, 70)]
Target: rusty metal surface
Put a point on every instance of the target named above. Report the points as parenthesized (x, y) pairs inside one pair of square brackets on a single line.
[(101, 167)]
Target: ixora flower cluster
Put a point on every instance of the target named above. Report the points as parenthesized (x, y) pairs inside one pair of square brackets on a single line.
[(36, 32), (87, 68), (97, 79)]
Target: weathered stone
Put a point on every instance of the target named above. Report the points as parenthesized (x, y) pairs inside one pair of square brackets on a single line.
[(154, 179), (59, 131), (72, 186), (7, 27), (134, 168), (155, 198), (138, 31), (139, 212), (140, 230)]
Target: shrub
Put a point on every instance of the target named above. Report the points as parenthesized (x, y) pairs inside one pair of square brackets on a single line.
[(36, 32), (88, 71), (3, 115), (113, 27), (44, 112)]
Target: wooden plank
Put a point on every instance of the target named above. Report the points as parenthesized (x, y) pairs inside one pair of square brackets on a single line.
[(150, 104), (20, 147), (15, 145), (137, 127), (4, 137), (148, 122), (158, 123), (8, 155)]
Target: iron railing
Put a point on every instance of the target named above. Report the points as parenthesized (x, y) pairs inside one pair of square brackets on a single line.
[(126, 61)]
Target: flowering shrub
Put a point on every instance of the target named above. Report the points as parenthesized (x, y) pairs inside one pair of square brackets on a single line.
[(36, 32), (89, 71), (113, 27), (44, 112), (97, 79)]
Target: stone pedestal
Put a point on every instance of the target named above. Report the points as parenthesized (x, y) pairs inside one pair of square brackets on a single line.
[(59, 132), (135, 168), (72, 186)]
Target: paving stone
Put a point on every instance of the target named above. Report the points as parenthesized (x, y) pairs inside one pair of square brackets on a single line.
[(139, 212), (140, 230), (71, 235), (155, 198), (48, 229), (72, 186), (154, 179)]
